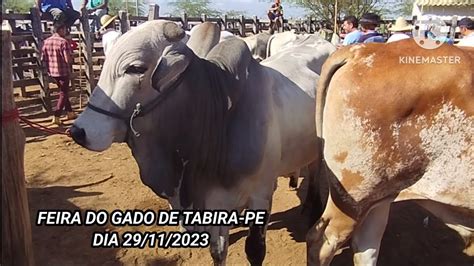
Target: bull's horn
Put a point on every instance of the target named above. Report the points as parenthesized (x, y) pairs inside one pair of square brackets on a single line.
[(172, 32)]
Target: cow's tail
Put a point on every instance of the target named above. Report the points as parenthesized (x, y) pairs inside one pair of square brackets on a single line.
[(333, 63), (318, 188)]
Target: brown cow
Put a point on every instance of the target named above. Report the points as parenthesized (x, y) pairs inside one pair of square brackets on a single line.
[(397, 123)]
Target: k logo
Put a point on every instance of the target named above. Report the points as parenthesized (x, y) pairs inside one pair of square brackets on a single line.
[(430, 32)]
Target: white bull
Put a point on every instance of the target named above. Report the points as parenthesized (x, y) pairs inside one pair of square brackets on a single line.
[(207, 134)]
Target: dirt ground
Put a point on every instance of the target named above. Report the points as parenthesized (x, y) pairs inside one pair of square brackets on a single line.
[(62, 175)]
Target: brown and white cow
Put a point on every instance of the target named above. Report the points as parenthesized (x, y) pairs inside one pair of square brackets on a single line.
[(397, 123)]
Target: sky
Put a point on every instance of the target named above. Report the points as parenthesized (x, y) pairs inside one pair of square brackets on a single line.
[(250, 7)]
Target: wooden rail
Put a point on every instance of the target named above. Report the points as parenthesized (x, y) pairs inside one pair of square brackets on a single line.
[(89, 56)]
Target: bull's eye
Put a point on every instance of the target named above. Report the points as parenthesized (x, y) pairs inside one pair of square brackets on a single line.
[(136, 70)]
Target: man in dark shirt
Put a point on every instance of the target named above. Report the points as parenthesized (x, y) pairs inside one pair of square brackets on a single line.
[(275, 14), (56, 57), (59, 10), (369, 22)]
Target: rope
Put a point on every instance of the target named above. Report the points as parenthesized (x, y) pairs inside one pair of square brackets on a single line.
[(13, 115), (10, 116)]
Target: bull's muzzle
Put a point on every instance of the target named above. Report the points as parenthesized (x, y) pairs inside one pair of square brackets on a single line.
[(78, 135)]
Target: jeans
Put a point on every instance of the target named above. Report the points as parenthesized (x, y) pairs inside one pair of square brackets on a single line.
[(68, 15), (95, 16), (63, 102)]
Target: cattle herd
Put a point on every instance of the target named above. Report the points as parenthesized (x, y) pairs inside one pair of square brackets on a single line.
[(212, 122)]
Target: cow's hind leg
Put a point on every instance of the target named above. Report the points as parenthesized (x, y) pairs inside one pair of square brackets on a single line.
[(328, 234), (294, 179), (368, 235), (317, 193)]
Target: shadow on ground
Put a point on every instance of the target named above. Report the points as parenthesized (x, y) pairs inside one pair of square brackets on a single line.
[(64, 245)]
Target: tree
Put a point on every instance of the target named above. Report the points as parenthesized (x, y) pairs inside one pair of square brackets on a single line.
[(405, 7), (325, 9), (235, 13), (129, 5), (193, 8), (17, 6)]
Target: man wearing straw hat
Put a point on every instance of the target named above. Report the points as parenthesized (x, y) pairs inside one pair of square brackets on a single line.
[(400, 30), (110, 35)]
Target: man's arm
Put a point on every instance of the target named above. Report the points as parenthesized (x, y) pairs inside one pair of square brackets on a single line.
[(104, 5), (69, 4), (67, 52), (38, 5), (84, 3), (273, 8), (44, 57)]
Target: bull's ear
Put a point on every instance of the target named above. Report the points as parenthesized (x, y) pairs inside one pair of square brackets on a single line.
[(172, 64)]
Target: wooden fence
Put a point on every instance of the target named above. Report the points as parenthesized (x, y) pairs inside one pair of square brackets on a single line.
[(17, 246), (33, 85)]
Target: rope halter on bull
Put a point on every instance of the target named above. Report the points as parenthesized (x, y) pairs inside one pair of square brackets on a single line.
[(140, 109)]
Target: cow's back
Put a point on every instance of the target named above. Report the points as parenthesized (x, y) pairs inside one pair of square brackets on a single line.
[(394, 120)]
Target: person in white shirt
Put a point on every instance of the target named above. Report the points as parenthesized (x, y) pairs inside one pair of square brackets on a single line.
[(466, 27), (109, 34), (400, 30)]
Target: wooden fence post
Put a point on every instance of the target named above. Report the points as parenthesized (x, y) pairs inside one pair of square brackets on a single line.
[(124, 22), (307, 25), (18, 71), (17, 247), (184, 19), (86, 36), (12, 22), (42, 72), (242, 26), (154, 12), (256, 25), (452, 30), (226, 27)]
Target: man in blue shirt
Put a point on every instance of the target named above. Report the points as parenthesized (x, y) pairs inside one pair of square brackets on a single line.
[(61, 11), (350, 25)]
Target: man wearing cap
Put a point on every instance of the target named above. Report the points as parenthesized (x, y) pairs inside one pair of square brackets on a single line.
[(96, 9), (110, 35), (350, 26), (400, 30), (369, 22), (466, 27)]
